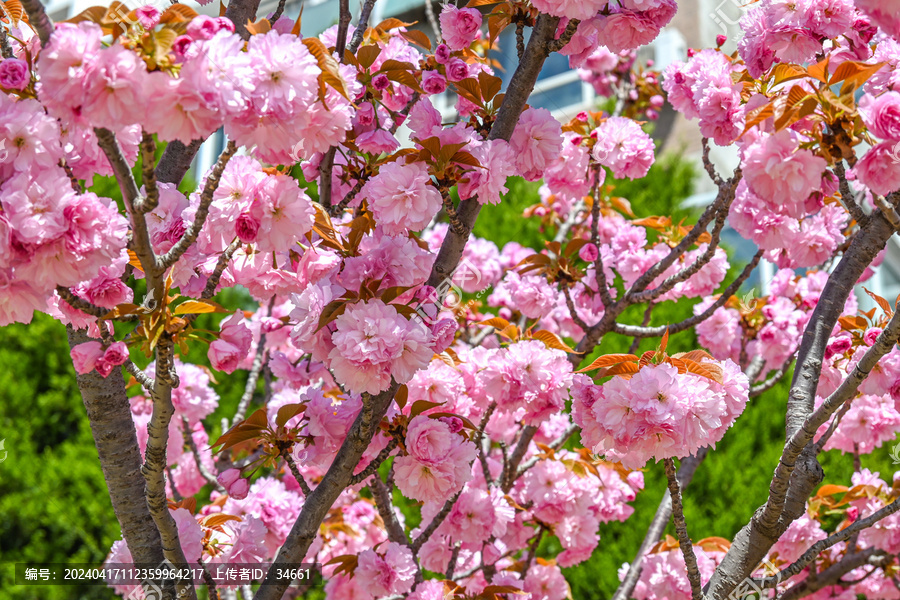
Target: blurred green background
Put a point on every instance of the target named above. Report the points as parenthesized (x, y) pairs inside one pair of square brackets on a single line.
[(53, 500)]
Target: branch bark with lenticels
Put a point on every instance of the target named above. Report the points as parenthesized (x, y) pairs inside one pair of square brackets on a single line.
[(798, 472), (109, 413)]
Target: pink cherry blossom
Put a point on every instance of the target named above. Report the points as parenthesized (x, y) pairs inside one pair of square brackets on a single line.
[(14, 74), (535, 142), (623, 147), (386, 574), (402, 197), (459, 26)]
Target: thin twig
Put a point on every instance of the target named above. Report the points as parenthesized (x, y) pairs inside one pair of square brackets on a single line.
[(510, 470), (343, 27), (432, 20), (79, 304), (484, 442), (361, 26), (707, 164), (206, 197), (210, 582), (684, 541), (636, 342), (73, 181), (301, 480), (252, 379), (142, 378), (455, 224), (645, 332), (766, 385), (278, 12), (376, 462), (571, 27), (435, 523), (213, 281), (599, 272), (195, 451), (847, 196), (382, 496)]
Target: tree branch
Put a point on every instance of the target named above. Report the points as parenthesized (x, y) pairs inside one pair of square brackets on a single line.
[(109, 413), (301, 480), (376, 462), (177, 158), (684, 541), (658, 524), (645, 332), (79, 304), (190, 236), (374, 408), (685, 273), (383, 504), (335, 481), (140, 236), (361, 26), (435, 523), (39, 20), (155, 461), (722, 202), (148, 167), (835, 538), (794, 480), (204, 472), (517, 93)]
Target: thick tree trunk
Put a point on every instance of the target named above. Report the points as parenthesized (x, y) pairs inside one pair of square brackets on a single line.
[(109, 412)]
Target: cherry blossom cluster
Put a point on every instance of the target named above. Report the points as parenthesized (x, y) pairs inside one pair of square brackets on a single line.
[(768, 326), (658, 412), (473, 367)]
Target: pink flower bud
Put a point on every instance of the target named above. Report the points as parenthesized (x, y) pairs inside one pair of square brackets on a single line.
[(426, 293), (180, 45), (455, 423), (582, 116), (270, 324), (442, 53), (838, 346), (589, 252), (444, 331), (721, 39), (225, 23), (202, 27), (246, 228), (433, 82), (238, 490), (457, 69), (871, 335), (224, 356), (85, 356), (227, 478), (103, 367)]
